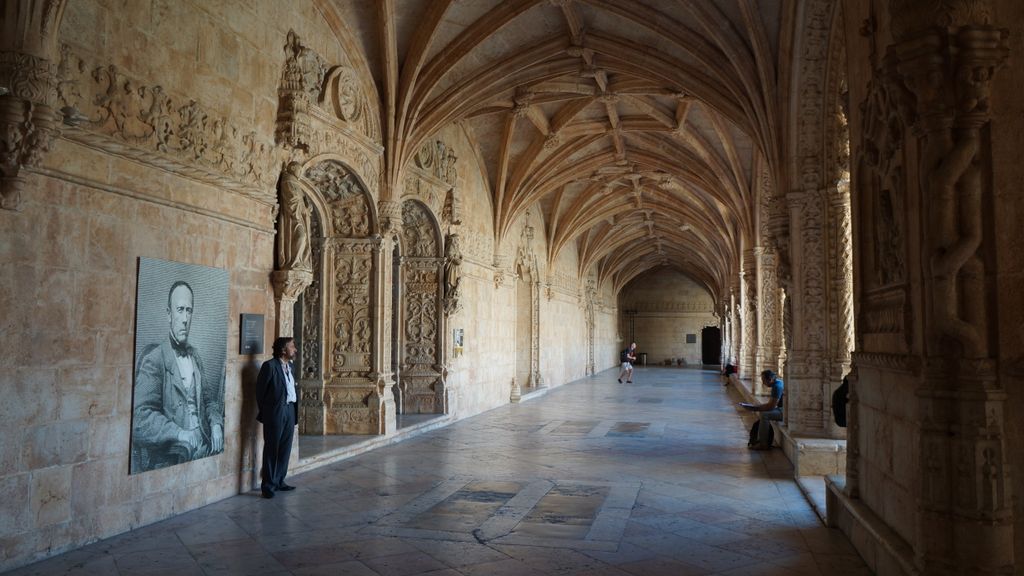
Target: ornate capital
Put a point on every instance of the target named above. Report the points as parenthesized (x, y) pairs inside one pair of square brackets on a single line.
[(390, 217), (290, 284), (28, 90)]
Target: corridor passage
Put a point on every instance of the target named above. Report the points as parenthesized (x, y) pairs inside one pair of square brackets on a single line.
[(595, 477)]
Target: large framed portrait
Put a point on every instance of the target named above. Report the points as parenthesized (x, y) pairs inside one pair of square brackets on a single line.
[(181, 331)]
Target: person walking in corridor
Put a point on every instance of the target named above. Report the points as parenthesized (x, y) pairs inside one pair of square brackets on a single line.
[(627, 358)]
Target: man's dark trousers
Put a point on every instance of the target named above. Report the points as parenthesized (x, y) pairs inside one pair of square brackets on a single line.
[(277, 449)]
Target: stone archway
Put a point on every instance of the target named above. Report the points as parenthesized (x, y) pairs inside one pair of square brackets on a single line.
[(339, 388), (421, 388)]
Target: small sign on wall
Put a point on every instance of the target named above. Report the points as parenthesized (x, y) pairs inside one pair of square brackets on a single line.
[(457, 342), (691, 338), (250, 334)]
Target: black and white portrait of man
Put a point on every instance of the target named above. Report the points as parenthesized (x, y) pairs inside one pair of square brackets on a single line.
[(180, 349)]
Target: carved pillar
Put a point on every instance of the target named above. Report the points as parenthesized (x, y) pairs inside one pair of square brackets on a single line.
[(947, 58), (808, 406), (29, 59), (748, 345), (841, 297), (736, 330), (590, 318), (381, 400), (769, 318)]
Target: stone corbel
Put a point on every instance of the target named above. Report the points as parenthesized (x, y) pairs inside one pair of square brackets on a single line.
[(288, 286), (29, 77), (390, 217)]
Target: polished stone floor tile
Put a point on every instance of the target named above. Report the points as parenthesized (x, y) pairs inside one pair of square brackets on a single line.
[(593, 478)]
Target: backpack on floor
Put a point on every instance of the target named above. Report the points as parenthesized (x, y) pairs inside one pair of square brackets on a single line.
[(754, 430)]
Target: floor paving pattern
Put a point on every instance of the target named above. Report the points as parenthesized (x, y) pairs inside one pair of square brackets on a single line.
[(594, 478)]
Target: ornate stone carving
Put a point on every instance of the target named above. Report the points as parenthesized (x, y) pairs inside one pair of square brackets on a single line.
[(29, 77), (311, 340), (452, 274), (344, 99), (419, 235), (390, 216), (301, 80), (351, 321), (293, 238), (106, 109), (347, 202), (421, 383), (438, 159)]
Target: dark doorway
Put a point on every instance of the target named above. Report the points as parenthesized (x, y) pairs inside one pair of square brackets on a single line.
[(710, 345)]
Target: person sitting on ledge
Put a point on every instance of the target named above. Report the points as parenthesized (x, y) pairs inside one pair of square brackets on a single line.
[(770, 410)]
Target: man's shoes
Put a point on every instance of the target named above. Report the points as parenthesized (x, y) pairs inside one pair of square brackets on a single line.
[(285, 487), (267, 493), (620, 380), (629, 381)]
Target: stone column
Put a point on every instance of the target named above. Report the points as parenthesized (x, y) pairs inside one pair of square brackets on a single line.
[(29, 59), (736, 327), (808, 392), (381, 401), (841, 286), (769, 312), (748, 344)]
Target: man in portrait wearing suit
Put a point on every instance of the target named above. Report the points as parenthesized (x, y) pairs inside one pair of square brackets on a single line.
[(275, 398), (178, 417)]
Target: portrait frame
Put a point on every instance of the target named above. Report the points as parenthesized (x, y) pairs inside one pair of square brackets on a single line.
[(178, 387)]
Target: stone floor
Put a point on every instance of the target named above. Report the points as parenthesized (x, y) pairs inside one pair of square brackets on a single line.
[(595, 478)]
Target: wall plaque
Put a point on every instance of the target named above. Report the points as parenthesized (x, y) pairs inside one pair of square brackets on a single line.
[(250, 334)]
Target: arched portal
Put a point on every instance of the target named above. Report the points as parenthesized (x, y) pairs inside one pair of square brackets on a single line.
[(339, 392), (419, 306)]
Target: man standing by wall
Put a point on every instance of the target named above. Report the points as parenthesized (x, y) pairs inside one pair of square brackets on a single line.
[(275, 397)]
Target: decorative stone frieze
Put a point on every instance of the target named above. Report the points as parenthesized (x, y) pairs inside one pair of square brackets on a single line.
[(106, 109)]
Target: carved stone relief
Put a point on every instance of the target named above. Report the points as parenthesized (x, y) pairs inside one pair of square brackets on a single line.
[(422, 388), (350, 212), (107, 109), (438, 159)]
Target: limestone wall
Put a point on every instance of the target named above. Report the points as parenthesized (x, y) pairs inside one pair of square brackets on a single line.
[(68, 300), (668, 305)]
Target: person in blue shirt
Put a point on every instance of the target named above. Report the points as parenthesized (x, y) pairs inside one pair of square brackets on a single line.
[(770, 410)]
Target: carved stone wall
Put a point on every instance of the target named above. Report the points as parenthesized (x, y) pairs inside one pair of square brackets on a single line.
[(422, 388), (936, 473)]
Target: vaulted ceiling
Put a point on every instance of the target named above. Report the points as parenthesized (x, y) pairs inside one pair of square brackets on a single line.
[(636, 126)]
